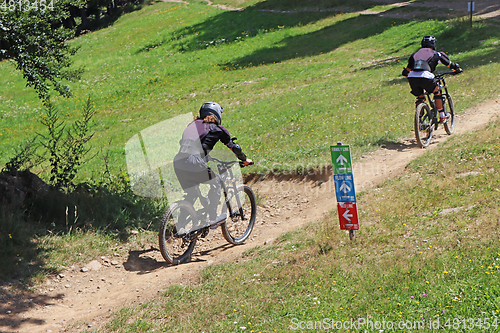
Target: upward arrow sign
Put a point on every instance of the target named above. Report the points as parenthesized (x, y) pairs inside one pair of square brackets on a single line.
[(344, 187), (341, 159)]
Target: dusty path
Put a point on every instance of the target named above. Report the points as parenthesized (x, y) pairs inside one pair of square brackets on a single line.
[(78, 300)]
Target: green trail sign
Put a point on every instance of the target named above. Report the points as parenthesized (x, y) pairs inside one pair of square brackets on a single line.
[(341, 159)]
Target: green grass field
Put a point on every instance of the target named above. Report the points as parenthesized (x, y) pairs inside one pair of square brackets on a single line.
[(292, 84)]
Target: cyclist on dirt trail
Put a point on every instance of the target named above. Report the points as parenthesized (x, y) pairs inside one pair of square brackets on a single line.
[(190, 164), (419, 72)]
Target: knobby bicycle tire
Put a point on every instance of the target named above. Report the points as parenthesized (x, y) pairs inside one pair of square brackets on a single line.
[(449, 126), (174, 249), (237, 230), (423, 125)]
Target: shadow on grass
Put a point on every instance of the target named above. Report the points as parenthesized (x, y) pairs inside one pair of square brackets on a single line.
[(455, 38), (23, 253), (315, 5), (230, 27), (271, 15), (318, 42), (24, 224)]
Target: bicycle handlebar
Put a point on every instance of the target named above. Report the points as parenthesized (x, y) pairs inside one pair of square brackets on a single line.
[(227, 164), (439, 76)]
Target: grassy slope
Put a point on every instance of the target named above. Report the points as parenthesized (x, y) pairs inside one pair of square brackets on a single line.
[(292, 84), (427, 251)]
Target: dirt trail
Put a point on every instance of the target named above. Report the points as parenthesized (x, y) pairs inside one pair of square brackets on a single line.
[(76, 300)]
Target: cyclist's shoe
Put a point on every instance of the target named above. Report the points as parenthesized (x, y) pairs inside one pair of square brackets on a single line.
[(218, 221), (443, 117)]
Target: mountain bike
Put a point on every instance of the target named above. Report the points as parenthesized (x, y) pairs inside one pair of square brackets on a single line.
[(177, 243), (427, 115)]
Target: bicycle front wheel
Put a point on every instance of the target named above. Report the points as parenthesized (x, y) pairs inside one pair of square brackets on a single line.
[(178, 221), (423, 125), (241, 220), (449, 126)]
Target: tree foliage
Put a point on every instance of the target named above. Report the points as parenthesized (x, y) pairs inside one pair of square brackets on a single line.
[(34, 33), (39, 48)]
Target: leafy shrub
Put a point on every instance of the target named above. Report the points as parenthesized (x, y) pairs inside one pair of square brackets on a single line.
[(67, 148)]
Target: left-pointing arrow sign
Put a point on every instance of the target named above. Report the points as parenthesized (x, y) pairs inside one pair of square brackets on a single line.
[(347, 216)]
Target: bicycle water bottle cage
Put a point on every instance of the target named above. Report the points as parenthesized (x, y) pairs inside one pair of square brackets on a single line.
[(421, 65)]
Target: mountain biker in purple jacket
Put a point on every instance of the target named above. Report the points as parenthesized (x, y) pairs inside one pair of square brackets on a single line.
[(190, 164), (420, 69)]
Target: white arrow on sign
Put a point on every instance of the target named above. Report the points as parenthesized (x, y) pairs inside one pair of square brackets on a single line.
[(346, 215), (341, 159), (344, 188)]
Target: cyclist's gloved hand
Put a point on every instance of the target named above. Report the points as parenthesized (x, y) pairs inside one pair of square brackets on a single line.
[(405, 72), (454, 66)]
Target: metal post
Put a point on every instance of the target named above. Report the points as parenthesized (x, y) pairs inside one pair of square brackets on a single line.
[(470, 8)]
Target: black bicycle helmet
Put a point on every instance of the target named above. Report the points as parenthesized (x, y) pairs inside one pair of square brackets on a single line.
[(429, 41), (211, 108)]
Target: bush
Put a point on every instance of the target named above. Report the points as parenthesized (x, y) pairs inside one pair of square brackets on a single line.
[(67, 148)]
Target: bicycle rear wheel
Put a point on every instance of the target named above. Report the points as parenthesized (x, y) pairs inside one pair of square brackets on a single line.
[(449, 126), (179, 219), (240, 222), (423, 125)]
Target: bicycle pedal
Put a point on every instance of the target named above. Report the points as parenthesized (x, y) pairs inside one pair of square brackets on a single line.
[(217, 224)]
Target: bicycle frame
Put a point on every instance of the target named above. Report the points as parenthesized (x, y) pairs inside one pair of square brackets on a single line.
[(427, 119), (225, 173), (442, 84)]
